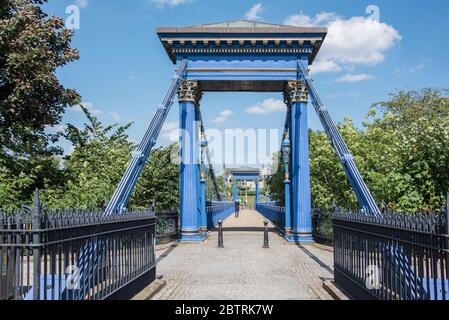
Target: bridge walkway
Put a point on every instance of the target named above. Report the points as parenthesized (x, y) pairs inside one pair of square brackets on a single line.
[(244, 270)]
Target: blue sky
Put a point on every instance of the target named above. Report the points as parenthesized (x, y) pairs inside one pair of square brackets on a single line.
[(124, 71)]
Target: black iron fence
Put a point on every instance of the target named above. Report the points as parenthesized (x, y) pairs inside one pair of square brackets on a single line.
[(392, 257), (167, 226), (75, 254)]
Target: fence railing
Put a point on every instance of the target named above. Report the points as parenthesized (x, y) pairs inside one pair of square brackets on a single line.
[(272, 212), (167, 226), (392, 257), (75, 254), (218, 210)]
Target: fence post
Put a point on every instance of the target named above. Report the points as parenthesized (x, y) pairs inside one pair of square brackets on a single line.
[(220, 234), (36, 220), (447, 231), (447, 214)]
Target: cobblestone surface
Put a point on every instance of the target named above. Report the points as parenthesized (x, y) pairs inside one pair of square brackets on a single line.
[(243, 270)]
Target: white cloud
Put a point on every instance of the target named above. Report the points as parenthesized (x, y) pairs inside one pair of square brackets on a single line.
[(170, 3), (82, 3), (299, 20), (320, 66), (255, 12), (302, 20), (88, 106), (267, 106), (417, 68), (115, 116), (219, 120), (355, 77), (224, 115), (169, 126), (170, 130), (349, 42)]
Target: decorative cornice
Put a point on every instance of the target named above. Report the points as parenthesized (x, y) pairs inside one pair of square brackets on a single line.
[(190, 91), (262, 70), (295, 91), (242, 37), (214, 50)]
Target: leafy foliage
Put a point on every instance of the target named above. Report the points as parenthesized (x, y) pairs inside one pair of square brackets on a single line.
[(32, 47), (403, 154), (275, 182), (95, 166), (159, 182)]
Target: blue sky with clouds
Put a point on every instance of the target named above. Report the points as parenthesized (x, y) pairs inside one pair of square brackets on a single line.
[(124, 72)]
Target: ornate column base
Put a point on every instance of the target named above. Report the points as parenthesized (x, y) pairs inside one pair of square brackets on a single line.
[(205, 232), (192, 236), (295, 238)]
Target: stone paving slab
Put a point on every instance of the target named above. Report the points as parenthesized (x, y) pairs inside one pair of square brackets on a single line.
[(244, 270)]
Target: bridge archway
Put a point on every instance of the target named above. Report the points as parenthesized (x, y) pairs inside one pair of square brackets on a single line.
[(245, 174), (242, 56)]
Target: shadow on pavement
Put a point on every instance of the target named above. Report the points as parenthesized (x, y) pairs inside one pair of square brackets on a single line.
[(316, 259), (166, 253)]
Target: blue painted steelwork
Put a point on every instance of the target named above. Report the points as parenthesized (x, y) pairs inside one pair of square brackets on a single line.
[(235, 195), (274, 213), (209, 161), (126, 186), (300, 166), (286, 147), (189, 173), (364, 196), (218, 211), (203, 195), (245, 175)]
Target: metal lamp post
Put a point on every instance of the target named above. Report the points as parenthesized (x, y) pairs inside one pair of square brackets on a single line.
[(286, 150), (203, 195)]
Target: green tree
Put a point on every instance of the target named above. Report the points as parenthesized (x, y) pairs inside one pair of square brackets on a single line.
[(159, 182), (402, 154), (275, 182), (419, 127), (94, 168), (32, 47)]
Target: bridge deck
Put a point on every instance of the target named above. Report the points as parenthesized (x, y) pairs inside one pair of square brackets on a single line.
[(243, 270)]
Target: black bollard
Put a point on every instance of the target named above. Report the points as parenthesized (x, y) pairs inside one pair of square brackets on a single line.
[(266, 244), (220, 234)]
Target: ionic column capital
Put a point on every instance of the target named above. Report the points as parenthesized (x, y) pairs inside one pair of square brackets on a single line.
[(295, 91), (190, 91)]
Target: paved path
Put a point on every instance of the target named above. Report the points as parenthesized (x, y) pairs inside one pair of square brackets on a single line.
[(243, 270)]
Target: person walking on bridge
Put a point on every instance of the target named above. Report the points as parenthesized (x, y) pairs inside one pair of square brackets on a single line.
[(237, 208)]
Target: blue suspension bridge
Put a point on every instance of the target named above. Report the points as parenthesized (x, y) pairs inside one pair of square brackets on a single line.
[(245, 56)]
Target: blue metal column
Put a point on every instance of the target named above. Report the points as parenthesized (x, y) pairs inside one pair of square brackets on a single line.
[(235, 191), (257, 190), (297, 97), (286, 148), (203, 197), (189, 95)]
